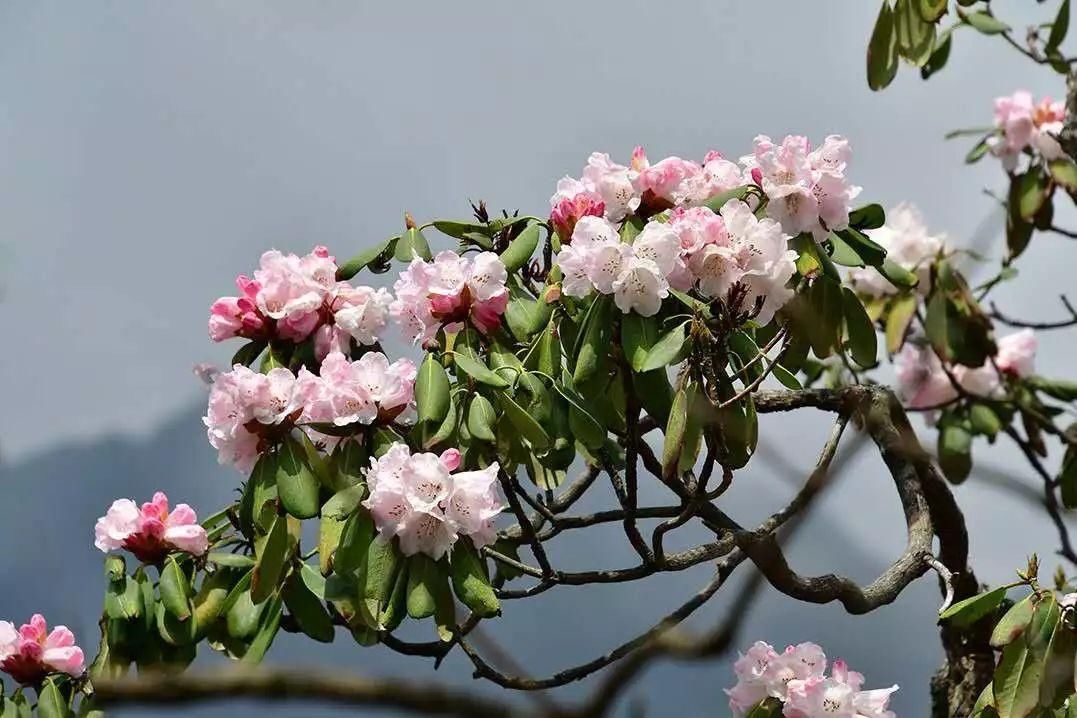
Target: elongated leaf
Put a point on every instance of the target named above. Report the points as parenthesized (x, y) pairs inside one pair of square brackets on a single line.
[(478, 371), (941, 54), (1064, 172), (525, 423), (1031, 193), (671, 348), (51, 702), (677, 429), (955, 449), (1067, 478), (520, 250), (868, 249), (470, 582), (432, 391), (481, 418), (868, 216), (175, 590), (862, 342), (898, 275), (915, 35), (882, 49), (1016, 685), (901, 313), (379, 253), (297, 486), (395, 607), (307, 609), (1014, 622), (267, 631), (271, 561), (344, 502), (410, 245), (423, 574), (972, 609), (638, 336), (931, 10), (983, 420), (1059, 27), (383, 563), (595, 338), (987, 24)]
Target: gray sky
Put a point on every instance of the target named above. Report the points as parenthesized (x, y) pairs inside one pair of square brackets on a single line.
[(152, 151)]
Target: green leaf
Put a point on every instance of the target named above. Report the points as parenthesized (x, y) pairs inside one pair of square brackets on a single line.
[(955, 449), (983, 420), (423, 575), (987, 24), (51, 702), (470, 582), (862, 342), (931, 10), (172, 630), (915, 35), (410, 245), (343, 502), (972, 609), (596, 335), (123, 597), (1031, 193), (824, 324), (1064, 172), (478, 371), (938, 59), (902, 310), (249, 352), (638, 335), (377, 254), (882, 50), (841, 252), (384, 568), (443, 432), (297, 486), (432, 391), (355, 538), (1059, 27), (481, 418), (242, 616), (719, 200), (175, 590), (585, 426), (670, 349), (348, 462), (868, 216), (677, 429), (740, 430), (655, 395), (270, 561), (1016, 685), (307, 609), (520, 250), (978, 150), (898, 275), (525, 423), (1067, 478), (267, 631), (1014, 622)]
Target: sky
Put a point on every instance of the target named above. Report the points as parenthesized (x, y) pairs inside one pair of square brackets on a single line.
[(152, 151)]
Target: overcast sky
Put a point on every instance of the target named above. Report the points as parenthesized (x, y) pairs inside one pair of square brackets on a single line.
[(152, 151)]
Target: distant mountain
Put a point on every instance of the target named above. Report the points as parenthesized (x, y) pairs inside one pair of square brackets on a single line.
[(52, 500)]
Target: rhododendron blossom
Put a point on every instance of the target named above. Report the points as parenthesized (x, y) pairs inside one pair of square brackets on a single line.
[(448, 292), (357, 391), (292, 297), (907, 243), (419, 498), (796, 677), (807, 189), (31, 652), (1025, 125), (152, 531), (923, 382), (240, 402)]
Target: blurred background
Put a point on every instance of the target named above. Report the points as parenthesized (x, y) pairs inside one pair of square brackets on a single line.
[(149, 152)]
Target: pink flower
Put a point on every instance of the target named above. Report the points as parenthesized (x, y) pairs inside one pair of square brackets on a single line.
[(1025, 125), (669, 182), (151, 532), (573, 200), (1017, 353), (237, 316), (808, 190), (613, 183), (922, 383), (907, 242), (361, 312), (448, 292), (364, 391), (419, 498), (240, 401), (32, 652)]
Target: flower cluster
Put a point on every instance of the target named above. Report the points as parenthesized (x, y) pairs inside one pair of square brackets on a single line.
[(695, 248), (907, 242), (807, 188), (152, 531), (418, 498), (923, 382), (292, 297), (449, 291), (1025, 125), (31, 652), (797, 677), (247, 410)]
